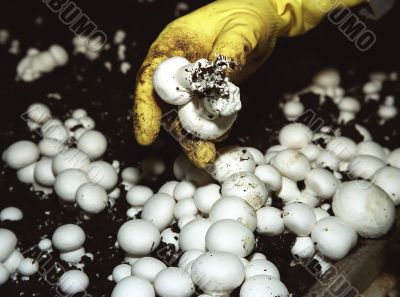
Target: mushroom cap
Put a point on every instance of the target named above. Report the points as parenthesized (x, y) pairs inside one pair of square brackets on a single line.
[(194, 120), (165, 82), (364, 206)]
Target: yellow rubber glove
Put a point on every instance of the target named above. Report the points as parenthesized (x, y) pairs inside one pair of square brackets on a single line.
[(243, 30)]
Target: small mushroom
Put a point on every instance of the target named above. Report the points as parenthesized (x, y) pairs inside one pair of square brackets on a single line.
[(333, 237)]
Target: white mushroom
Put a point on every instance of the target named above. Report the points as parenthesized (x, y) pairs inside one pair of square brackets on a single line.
[(236, 209), (174, 282), (263, 285), (342, 148), (187, 259), (21, 154), (148, 268), (261, 267), (67, 183), (138, 195), (333, 237), (247, 186), (365, 166), (327, 78), (206, 196), (196, 121), (8, 243), (371, 148), (68, 237), (303, 248), (130, 237), (269, 176), (91, 198), (295, 136), (216, 272), (292, 164), (388, 178), (364, 206), (322, 183), (257, 155), (140, 286), (299, 218), (172, 82), (159, 210), (394, 158), (231, 160), (73, 281), (193, 235), (269, 221), (121, 271), (289, 190), (230, 236)]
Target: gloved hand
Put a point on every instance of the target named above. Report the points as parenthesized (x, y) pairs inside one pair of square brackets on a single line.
[(245, 31)]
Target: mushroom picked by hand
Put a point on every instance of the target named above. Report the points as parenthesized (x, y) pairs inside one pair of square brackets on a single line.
[(208, 102)]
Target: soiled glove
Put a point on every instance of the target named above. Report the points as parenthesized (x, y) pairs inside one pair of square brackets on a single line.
[(245, 31)]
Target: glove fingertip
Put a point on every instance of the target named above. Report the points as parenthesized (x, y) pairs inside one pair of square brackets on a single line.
[(202, 153)]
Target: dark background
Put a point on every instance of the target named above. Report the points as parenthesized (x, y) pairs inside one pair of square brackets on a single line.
[(107, 97)]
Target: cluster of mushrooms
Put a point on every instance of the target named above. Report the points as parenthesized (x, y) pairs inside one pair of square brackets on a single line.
[(207, 101), (330, 196)]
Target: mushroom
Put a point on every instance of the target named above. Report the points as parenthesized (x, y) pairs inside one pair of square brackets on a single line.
[(147, 268), (21, 154), (91, 198), (269, 221), (303, 248), (193, 235), (333, 237), (197, 121), (159, 210), (388, 179), (206, 196), (269, 176), (292, 164), (263, 285), (230, 236), (217, 272), (121, 271), (208, 102), (261, 267), (68, 237), (236, 209), (295, 136), (187, 259), (174, 281), (73, 282), (172, 82), (394, 158), (130, 237), (299, 218), (130, 284), (247, 186), (365, 166), (365, 207), (371, 148), (322, 183), (8, 243), (231, 160)]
